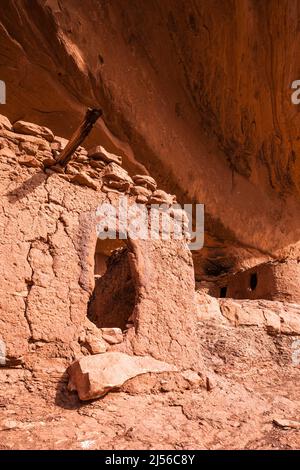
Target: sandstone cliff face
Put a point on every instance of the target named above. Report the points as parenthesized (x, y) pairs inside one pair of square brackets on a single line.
[(198, 93)]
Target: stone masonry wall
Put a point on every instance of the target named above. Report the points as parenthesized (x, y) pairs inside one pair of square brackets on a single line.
[(47, 247), (271, 281)]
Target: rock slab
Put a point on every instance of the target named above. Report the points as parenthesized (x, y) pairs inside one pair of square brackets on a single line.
[(94, 376), (24, 127)]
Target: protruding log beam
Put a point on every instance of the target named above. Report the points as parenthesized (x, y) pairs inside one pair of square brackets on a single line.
[(79, 135)]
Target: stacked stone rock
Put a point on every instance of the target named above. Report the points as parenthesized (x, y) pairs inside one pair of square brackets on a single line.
[(36, 146), (47, 300)]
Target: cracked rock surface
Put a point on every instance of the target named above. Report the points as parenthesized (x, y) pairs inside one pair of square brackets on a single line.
[(47, 246), (232, 374)]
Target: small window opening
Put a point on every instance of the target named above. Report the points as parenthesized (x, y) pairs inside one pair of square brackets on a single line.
[(253, 281), (104, 249), (223, 291), (113, 298)]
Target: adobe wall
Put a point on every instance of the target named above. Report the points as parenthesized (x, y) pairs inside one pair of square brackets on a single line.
[(164, 277), (274, 281), (47, 248)]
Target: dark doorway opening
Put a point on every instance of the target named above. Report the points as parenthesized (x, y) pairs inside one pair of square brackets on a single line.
[(223, 291), (253, 281), (113, 299)]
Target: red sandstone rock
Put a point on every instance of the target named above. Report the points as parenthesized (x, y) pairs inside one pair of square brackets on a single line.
[(97, 164), (33, 129), (7, 153), (59, 143), (90, 339), (112, 335), (192, 377), (5, 123), (99, 153), (28, 148), (48, 161), (30, 161), (145, 181), (276, 317), (94, 376), (208, 309), (116, 173), (84, 180), (10, 136), (161, 197), (286, 423), (116, 178), (119, 186), (95, 345), (140, 191)]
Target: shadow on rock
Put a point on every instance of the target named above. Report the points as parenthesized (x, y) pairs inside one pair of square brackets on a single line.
[(64, 398), (27, 187)]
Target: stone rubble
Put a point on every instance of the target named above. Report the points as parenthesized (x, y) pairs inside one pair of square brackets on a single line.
[(161, 197), (112, 335), (99, 153), (116, 177), (192, 377), (84, 180), (55, 271), (98, 164), (146, 181), (38, 148), (286, 423), (91, 340), (142, 194), (5, 123), (30, 161), (23, 127), (7, 153)]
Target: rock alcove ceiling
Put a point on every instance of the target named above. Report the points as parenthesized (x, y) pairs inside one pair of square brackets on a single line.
[(196, 93)]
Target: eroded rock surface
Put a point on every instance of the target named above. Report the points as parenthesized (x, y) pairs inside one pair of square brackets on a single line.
[(211, 119), (276, 317), (48, 244), (94, 376)]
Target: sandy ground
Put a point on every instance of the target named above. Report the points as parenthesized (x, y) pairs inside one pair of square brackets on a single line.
[(254, 382)]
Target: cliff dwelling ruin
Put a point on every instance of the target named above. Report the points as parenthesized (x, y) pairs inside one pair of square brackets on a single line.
[(129, 304), (62, 266), (122, 342)]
